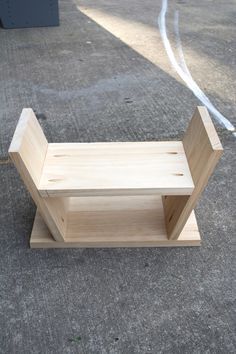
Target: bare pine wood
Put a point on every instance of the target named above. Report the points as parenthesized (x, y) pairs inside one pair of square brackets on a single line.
[(29, 144), (28, 150), (121, 221), (203, 150), (80, 169), (110, 194)]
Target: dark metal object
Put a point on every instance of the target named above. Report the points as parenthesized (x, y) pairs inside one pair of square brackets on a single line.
[(29, 13)]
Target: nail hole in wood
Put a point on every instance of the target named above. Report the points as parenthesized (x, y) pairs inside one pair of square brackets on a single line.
[(54, 180), (61, 155)]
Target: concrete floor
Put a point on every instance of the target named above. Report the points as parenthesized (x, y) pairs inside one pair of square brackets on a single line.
[(103, 75)]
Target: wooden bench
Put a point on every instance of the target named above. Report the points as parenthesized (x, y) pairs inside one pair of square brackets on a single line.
[(132, 194)]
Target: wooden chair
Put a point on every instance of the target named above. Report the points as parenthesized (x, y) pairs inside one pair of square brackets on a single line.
[(132, 194)]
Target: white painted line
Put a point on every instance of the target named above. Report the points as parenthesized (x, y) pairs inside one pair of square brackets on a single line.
[(182, 69), (182, 62)]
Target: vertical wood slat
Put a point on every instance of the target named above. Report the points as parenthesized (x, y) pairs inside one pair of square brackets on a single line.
[(203, 150), (28, 150)]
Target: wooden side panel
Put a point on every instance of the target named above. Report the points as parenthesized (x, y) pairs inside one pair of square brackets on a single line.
[(30, 144), (203, 150), (28, 150)]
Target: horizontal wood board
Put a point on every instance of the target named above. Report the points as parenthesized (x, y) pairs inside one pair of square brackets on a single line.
[(127, 221), (80, 169)]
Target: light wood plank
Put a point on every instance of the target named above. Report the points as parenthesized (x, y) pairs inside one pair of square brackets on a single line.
[(30, 144), (115, 169), (28, 150), (136, 221), (203, 150)]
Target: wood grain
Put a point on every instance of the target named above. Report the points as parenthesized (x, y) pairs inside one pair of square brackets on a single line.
[(80, 169), (203, 150), (28, 150), (135, 221), (115, 194)]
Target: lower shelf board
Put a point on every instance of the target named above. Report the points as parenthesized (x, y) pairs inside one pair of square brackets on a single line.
[(100, 225)]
